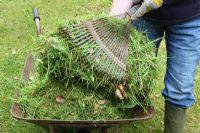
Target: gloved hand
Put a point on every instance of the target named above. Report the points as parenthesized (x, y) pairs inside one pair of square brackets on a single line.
[(145, 7), (120, 7)]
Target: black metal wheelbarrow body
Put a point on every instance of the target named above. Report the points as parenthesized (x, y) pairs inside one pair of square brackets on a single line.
[(16, 111)]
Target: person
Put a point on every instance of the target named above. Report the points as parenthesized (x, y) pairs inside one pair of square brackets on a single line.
[(178, 21)]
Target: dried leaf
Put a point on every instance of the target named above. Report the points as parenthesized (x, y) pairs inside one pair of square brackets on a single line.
[(119, 94), (121, 88), (60, 99), (103, 101), (95, 109)]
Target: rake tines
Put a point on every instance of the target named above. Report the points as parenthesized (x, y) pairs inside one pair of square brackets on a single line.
[(104, 47)]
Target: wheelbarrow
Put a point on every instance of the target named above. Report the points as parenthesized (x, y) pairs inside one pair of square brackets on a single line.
[(138, 114)]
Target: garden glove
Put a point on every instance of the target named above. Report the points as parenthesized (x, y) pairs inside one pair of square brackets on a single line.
[(145, 7)]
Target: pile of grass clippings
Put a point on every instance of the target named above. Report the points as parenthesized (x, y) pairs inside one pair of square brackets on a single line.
[(86, 94)]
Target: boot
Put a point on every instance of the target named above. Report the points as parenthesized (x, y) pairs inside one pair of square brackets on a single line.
[(174, 118)]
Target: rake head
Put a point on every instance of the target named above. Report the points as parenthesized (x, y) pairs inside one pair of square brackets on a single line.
[(104, 44)]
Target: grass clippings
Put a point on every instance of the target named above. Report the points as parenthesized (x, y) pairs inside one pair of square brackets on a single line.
[(64, 72)]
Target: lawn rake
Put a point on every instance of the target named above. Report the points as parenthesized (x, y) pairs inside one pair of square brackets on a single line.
[(108, 51), (138, 114)]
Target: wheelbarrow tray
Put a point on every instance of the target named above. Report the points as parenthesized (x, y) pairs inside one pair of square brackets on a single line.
[(16, 111)]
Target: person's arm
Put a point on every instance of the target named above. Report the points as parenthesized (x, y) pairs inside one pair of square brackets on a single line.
[(120, 7)]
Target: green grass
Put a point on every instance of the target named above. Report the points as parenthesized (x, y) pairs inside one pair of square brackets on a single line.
[(17, 33)]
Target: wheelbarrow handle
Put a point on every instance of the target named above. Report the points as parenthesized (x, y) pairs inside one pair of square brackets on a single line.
[(37, 21)]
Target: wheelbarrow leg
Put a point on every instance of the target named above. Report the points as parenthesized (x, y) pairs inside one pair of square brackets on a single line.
[(115, 129), (51, 130), (83, 130), (104, 130)]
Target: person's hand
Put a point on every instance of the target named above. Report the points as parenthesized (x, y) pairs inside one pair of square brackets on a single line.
[(145, 6), (120, 7)]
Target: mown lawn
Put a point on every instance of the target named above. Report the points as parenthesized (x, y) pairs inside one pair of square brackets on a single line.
[(17, 38)]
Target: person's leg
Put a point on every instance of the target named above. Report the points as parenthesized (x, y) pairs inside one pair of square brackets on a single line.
[(183, 51), (154, 31)]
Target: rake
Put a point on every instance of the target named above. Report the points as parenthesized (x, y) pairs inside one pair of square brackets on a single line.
[(104, 43)]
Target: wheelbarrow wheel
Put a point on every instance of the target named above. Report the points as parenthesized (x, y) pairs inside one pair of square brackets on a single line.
[(83, 131)]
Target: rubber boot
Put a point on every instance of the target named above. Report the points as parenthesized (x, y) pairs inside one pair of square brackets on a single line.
[(174, 118)]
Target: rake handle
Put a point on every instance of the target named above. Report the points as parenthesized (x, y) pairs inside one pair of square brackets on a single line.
[(37, 21)]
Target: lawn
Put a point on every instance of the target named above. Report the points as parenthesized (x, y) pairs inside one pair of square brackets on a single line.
[(17, 38)]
